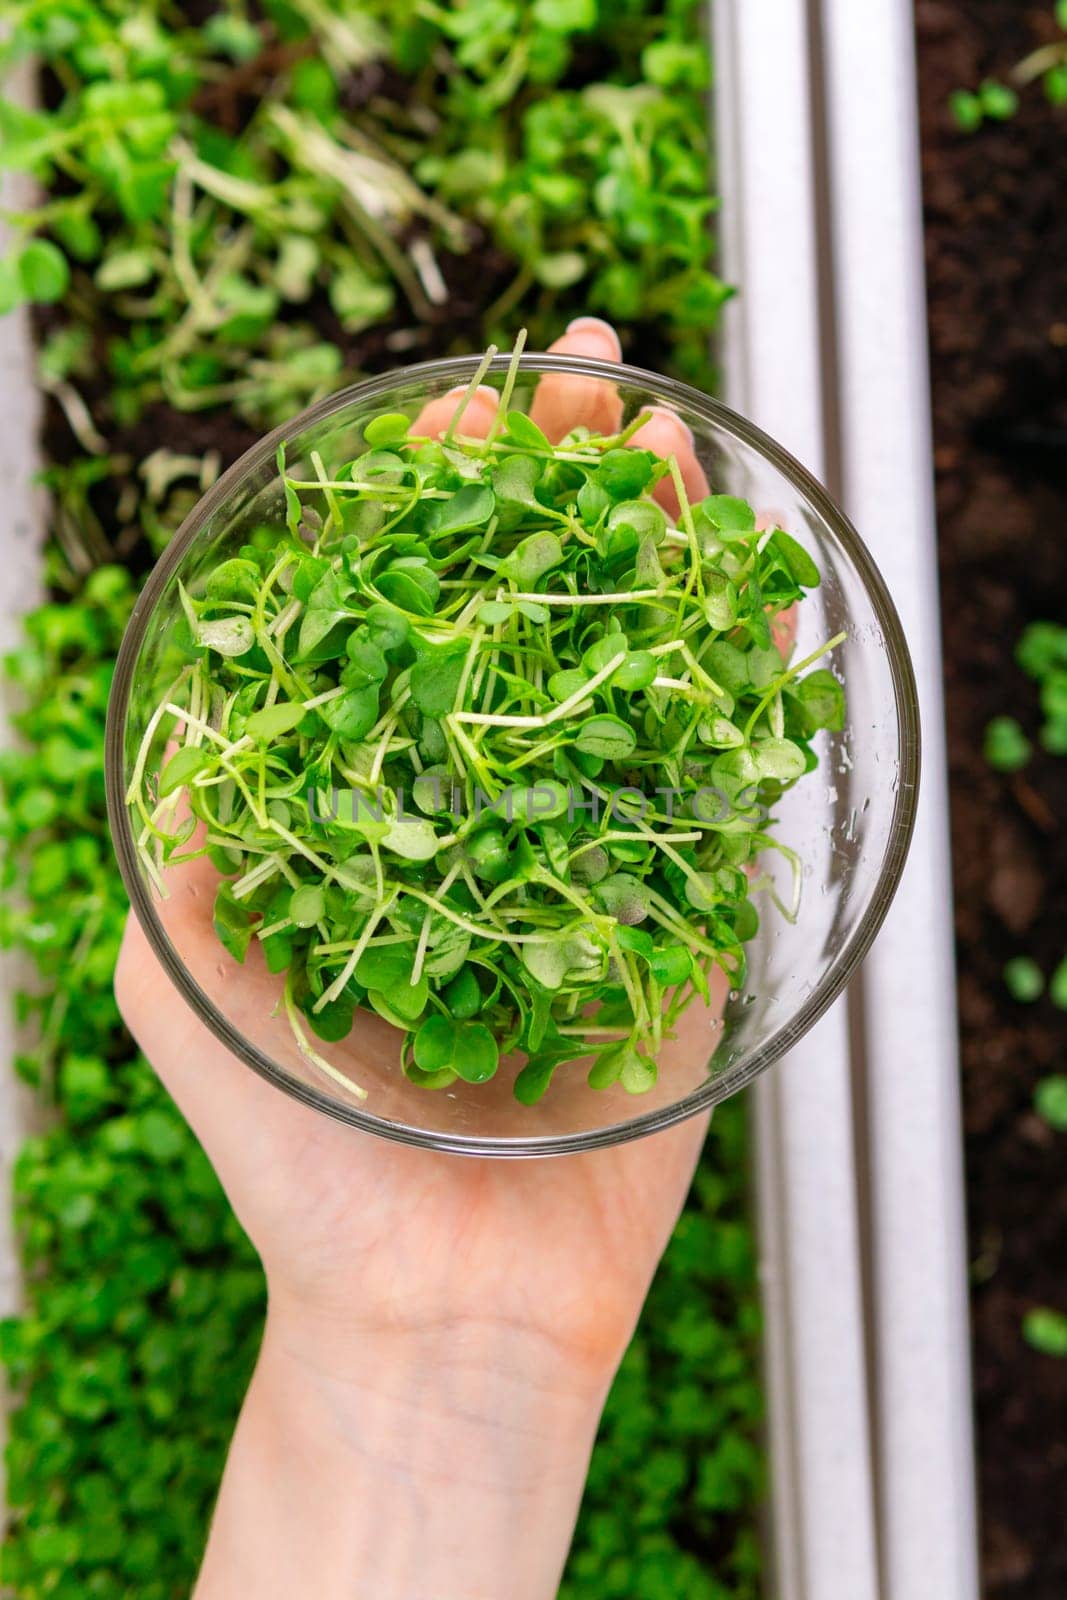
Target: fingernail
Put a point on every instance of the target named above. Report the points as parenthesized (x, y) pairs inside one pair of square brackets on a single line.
[(461, 388), (679, 423), (597, 325)]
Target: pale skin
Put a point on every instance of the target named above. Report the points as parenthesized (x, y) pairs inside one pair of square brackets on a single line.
[(441, 1331)]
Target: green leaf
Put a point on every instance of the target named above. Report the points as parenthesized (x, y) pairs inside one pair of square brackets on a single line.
[(435, 678), (367, 666), (525, 433), (388, 629), (730, 517), (412, 588), (966, 109), (43, 271), (1024, 979), (530, 560), (334, 1021), (565, 16), (387, 428), (272, 721), (183, 767), (353, 714), (1046, 1330), (535, 802), (233, 580), (822, 701), (227, 636), (998, 100), (1005, 745), (413, 838), (470, 507), (532, 1082), (401, 1003), (607, 737), (638, 1073), (671, 965), (638, 671), (624, 897), (549, 962), (385, 967), (801, 567), (1050, 1101), (623, 474), (463, 996), (779, 759), (720, 601), (307, 906), (124, 269), (233, 925), (514, 481), (444, 1044)]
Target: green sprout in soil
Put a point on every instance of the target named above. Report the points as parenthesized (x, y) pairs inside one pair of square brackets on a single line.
[(487, 742), (1006, 747), (1050, 1101), (994, 101), (1024, 979), (1042, 655), (1045, 1330)]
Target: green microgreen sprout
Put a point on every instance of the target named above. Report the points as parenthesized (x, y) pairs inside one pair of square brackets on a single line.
[(485, 741), (1050, 1101), (1045, 1330), (995, 101), (1024, 979)]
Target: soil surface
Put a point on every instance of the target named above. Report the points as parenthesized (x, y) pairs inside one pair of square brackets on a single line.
[(996, 248)]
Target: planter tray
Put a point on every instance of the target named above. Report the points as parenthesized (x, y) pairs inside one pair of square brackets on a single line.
[(859, 1157)]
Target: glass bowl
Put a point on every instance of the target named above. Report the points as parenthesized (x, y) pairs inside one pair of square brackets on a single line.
[(850, 820)]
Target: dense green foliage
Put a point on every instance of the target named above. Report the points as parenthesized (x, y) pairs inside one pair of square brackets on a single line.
[(240, 216), (388, 706)]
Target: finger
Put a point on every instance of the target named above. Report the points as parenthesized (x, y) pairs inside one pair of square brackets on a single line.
[(478, 417), (566, 400), (666, 435), (784, 631)]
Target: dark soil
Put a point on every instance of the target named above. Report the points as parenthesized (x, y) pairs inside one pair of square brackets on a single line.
[(996, 249)]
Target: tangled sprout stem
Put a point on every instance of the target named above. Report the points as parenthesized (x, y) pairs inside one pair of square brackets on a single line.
[(484, 740)]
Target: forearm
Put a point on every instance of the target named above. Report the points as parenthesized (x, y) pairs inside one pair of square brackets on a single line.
[(449, 1464)]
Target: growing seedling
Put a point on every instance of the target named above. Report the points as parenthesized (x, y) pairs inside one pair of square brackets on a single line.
[(995, 101), (1046, 1330), (1050, 1101), (1024, 979)]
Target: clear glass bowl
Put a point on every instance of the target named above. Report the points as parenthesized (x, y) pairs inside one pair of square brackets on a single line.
[(850, 820)]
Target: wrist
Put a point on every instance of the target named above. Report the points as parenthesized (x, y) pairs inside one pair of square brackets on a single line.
[(453, 1397), (447, 1461)]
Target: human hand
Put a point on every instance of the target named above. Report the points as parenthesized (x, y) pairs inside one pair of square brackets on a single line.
[(480, 1307)]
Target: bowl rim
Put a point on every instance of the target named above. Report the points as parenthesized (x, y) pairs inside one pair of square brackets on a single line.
[(461, 369)]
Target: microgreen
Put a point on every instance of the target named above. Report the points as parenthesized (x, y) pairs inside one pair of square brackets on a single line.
[(995, 101), (1024, 979), (492, 756), (1042, 655), (1045, 1330), (1050, 1101)]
